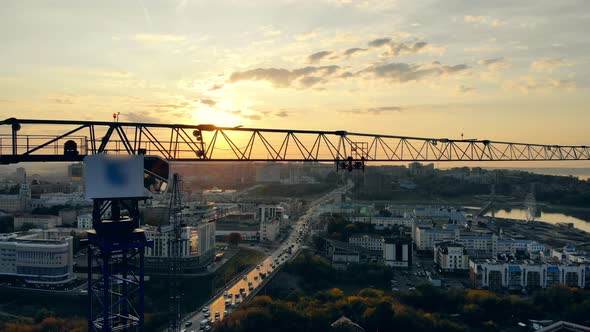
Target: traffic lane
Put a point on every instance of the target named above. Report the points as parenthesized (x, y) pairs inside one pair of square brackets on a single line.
[(254, 277)]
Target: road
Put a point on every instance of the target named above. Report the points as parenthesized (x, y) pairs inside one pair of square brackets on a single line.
[(250, 281)]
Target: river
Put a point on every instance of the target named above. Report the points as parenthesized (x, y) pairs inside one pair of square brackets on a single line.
[(548, 217)]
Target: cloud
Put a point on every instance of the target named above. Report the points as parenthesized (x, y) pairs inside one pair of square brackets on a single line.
[(174, 106), (529, 84), (282, 114), (351, 51), (396, 49), (316, 57), (208, 102), (140, 117), (280, 77), (306, 36), (63, 101), (406, 72), (548, 65), (482, 49), (244, 115), (495, 64), (379, 42), (404, 48), (158, 38), (375, 110), (484, 20), (465, 89), (216, 87)]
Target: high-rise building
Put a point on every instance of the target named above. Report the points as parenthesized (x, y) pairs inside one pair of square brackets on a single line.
[(197, 246), (397, 252)]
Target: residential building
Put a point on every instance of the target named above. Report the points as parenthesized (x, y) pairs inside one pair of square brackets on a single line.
[(243, 223), (516, 275), (30, 258), (37, 220), (568, 253), (383, 222), (197, 246), (343, 254), (269, 229), (264, 212), (85, 221), (451, 256), (397, 252), (368, 241), (425, 237)]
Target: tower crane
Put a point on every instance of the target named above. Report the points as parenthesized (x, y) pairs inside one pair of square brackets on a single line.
[(115, 240)]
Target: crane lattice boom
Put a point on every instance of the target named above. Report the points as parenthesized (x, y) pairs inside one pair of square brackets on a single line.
[(23, 140)]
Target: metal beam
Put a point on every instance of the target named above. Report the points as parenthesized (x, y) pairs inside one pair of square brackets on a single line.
[(174, 143)]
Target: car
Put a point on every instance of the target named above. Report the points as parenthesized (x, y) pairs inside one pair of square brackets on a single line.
[(188, 324), (225, 294), (217, 314), (412, 288), (207, 328), (207, 315), (224, 313), (245, 277)]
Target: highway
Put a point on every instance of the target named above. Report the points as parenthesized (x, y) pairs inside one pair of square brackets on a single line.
[(227, 301)]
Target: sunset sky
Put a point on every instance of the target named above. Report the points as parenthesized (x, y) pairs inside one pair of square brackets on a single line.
[(504, 70)]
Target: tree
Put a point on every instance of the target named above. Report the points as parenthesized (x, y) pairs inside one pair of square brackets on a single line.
[(6, 224), (234, 239)]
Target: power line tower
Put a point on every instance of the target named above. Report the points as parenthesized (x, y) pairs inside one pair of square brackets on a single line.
[(174, 242)]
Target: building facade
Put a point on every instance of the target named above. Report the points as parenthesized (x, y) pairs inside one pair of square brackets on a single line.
[(29, 258), (451, 257), (269, 229), (197, 247), (38, 220), (398, 252), (368, 241), (85, 221), (526, 274)]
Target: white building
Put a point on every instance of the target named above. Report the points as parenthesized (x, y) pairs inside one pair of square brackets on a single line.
[(569, 254), (517, 275), (38, 220), (265, 212), (197, 246), (383, 222), (32, 259), (85, 221), (451, 257), (269, 229), (426, 237), (398, 253), (367, 241)]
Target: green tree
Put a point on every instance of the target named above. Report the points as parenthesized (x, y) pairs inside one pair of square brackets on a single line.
[(234, 239)]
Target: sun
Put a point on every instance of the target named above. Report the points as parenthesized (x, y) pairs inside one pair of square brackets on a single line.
[(205, 115)]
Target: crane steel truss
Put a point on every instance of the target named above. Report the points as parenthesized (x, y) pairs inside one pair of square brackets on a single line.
[(20, 141)]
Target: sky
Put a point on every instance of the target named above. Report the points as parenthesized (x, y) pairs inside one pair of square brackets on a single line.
[(499, 70)]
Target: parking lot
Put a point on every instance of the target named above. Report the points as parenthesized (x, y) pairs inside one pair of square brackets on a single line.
[(424, 270)]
